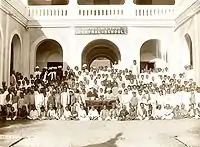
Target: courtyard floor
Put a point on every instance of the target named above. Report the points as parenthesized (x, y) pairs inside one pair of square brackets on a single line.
[(167, 133)]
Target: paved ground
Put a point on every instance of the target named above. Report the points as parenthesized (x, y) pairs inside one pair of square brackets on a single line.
[(172, 133)]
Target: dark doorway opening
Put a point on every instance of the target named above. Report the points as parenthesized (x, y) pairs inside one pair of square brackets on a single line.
[(54, 64), (146, 66)]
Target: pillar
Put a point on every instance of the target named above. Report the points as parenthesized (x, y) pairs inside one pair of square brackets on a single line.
[(196, 52)]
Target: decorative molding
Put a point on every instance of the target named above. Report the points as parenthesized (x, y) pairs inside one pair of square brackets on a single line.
[(16, 13), (193, 9), (108, 30)]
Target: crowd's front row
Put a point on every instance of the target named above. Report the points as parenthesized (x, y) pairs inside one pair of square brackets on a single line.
[(117, 111)]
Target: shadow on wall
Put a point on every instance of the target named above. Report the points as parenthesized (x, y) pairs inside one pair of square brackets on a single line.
[(109, 143)]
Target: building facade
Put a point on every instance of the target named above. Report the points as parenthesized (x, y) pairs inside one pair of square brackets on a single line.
[(75, 32)]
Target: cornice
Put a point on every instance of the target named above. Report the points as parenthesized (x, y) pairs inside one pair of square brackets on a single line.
[(127, 22), (193, 9), (19, 14)]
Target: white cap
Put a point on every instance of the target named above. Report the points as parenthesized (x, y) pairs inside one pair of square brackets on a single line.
[(84, 65), (59, 66), (37, 67), (45, 67)]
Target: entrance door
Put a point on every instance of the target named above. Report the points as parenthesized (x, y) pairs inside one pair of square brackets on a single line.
[(146, 65), (54, 64)]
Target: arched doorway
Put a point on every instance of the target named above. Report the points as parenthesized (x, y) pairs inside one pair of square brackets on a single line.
[(48, 2), (189, 43), (49, 54), (100, 49), (101, 2), (149, 51), (15, 58), (154, 2)]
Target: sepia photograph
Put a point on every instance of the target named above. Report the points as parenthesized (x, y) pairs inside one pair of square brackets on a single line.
[(99, 73)]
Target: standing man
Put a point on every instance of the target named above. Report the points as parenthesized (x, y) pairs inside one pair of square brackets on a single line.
[(134, 68)]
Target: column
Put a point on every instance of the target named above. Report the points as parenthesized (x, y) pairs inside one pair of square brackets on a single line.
[(73, 2), (25, 54), (196, 52), (6, 53), (1, 57), (128, 2)]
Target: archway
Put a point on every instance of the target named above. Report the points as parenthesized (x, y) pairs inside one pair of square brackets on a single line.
[(101, 2), (49, 54), (149, 51), (48, 2), (154, 2), (100, 49), (15, 58), (190, 48)]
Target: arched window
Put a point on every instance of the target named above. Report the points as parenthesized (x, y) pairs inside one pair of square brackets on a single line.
[(190, 48)]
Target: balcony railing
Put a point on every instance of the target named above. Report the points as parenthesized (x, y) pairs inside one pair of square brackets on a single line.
[(100, 12)]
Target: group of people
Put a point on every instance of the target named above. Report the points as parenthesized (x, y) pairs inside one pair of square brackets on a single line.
[(121, 94)]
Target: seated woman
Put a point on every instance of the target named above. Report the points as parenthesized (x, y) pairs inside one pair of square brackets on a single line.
[(93, 114), (51, 114), (34, 115), (168, 113), (123, 115), (82, 115), (104, 114)]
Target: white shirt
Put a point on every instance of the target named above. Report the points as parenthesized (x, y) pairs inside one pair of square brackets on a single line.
[(82, 114), (93, 113), (67, 114), (39, 99)]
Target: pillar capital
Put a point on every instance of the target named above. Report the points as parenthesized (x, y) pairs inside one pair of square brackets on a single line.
[(128, 2), (73, 2)]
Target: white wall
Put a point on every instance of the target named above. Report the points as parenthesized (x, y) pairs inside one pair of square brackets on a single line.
[(8, 28)]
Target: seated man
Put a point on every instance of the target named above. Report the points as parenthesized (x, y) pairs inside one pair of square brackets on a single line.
[(42, 113), (74, 113), (168, 113), (82, 115), (183, 112), (114, 112), (132, 113), (123, 115), (197, 116), (51, 114), (191, 111), (93, 114), (176, 112), (104, 114), (67, 114), (142, 112), (34, 115), (159, 113)]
